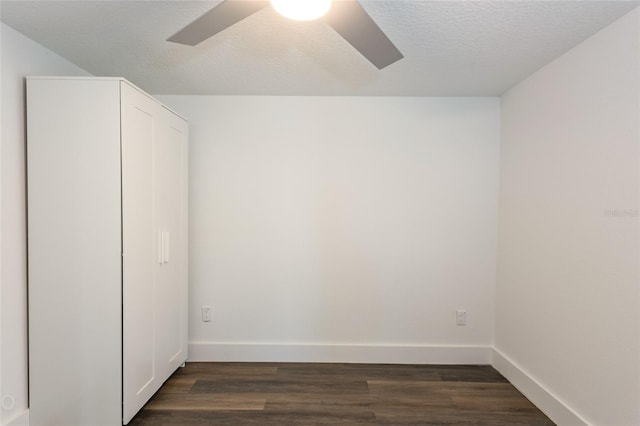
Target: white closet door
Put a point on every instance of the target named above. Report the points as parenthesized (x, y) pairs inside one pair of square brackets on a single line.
[(171, 197), (140, 116)]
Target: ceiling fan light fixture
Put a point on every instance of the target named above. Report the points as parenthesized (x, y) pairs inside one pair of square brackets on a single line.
[(302, 10)]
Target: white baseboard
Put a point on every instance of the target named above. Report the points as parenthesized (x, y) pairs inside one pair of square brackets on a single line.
[(541, 397), (382, 354), (20, 420)]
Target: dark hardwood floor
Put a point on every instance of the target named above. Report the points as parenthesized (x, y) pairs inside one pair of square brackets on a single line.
[(293, 394)]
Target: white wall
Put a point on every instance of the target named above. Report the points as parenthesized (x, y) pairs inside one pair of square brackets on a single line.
[(567, 317), (342, 229), (20, 56)]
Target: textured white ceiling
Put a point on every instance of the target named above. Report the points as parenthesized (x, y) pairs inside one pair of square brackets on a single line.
[(451, 48)]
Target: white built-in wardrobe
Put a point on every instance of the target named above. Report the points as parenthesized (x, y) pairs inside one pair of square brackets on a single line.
[(107, 242)]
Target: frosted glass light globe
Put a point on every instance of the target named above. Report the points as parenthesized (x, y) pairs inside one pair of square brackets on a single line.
[(301, 10)]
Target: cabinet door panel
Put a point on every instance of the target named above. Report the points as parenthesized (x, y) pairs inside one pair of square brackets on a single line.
[(139, 124), (171, 166)]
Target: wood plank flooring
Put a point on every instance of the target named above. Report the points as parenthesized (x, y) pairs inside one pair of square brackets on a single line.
[(204, 394)]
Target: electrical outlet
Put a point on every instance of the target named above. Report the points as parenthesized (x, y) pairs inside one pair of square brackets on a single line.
[(461, 317), (206, 313)]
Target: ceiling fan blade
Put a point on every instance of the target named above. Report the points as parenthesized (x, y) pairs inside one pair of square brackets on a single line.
[(353, 23), (217, 19)]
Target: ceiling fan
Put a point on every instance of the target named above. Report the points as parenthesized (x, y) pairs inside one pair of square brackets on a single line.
[(346, 17)]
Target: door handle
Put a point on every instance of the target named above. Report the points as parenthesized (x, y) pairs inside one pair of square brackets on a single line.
[(163, 247)]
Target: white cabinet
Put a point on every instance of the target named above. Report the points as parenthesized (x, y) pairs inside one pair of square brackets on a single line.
[(107, 234)]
